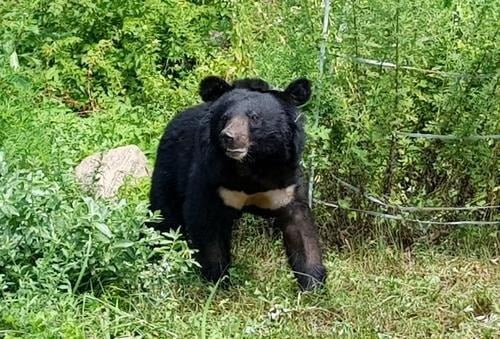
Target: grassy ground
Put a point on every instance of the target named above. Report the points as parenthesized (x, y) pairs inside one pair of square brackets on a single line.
[(373, 291)]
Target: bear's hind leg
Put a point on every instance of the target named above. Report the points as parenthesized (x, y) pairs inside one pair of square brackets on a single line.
[(171, 219), (164, 200)]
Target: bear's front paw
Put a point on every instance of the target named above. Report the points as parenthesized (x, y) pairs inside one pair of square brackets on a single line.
[(312, 278)]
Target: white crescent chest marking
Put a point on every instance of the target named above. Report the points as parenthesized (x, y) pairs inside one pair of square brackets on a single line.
[(271, 200)]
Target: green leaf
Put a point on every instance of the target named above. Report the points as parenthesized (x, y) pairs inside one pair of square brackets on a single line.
[(123, 244), (104, 229), (14, 60)]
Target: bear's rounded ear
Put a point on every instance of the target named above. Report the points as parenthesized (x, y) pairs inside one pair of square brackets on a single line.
[(299, 91), (212, 87)]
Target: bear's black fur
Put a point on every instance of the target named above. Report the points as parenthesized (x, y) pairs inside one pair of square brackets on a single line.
[(238, 151)]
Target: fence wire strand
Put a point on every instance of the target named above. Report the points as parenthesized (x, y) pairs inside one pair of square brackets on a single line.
[(388, 64), (379, 201), (449, 136), (401, 218)]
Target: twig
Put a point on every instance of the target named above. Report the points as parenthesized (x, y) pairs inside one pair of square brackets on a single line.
[(324, 36), (392, 156)]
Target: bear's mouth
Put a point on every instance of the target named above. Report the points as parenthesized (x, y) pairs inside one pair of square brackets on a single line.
[(237, 153)]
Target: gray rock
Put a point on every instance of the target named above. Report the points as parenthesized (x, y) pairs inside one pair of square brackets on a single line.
[(104, 173)]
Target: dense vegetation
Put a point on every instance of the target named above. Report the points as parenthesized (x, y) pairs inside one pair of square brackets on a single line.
[(77, 77)]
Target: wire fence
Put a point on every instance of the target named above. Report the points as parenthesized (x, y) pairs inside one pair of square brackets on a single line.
[(394, 211)]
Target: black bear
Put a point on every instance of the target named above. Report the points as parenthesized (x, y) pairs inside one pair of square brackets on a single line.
[(237, 152)]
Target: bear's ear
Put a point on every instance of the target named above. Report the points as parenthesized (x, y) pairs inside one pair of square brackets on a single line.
[(212, 87), (299, 91)]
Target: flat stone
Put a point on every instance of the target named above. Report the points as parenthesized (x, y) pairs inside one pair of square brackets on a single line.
[(104, 173)]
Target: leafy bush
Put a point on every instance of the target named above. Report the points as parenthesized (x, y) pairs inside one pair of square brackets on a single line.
[(90, 51), (55, 239)]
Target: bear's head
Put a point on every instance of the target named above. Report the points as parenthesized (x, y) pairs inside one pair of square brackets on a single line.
[(251, 122)]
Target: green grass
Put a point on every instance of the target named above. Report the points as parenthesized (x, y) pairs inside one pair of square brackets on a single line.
[(373, 291)]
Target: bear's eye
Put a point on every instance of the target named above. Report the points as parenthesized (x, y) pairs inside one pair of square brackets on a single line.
[(254, 117)]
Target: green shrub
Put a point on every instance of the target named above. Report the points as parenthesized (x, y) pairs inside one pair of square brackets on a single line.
[(54, 239), (93, 50)]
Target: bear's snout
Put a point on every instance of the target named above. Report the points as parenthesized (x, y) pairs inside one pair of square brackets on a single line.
[(234, 138)]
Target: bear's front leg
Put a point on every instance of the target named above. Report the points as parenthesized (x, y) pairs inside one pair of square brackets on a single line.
[(214, 250), (209, 225), (302, 245)]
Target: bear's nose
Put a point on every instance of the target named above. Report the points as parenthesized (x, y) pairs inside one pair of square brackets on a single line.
[(227, 137)]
